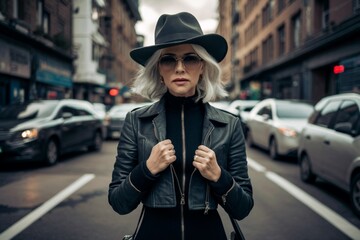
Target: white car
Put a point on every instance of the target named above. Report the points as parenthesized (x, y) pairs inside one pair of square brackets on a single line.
[(275, 125), (329, 145), (242, 109)]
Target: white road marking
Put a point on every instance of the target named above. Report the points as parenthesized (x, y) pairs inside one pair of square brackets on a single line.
[(332, 217), (26, 221)]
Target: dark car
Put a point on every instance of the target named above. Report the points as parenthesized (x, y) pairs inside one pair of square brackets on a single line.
[(329, 145), (42, 130)]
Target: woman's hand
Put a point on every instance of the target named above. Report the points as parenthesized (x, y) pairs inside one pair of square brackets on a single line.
[(205, 162), (162, 155)]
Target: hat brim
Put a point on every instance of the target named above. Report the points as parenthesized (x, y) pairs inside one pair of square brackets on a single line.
[(214, 44)]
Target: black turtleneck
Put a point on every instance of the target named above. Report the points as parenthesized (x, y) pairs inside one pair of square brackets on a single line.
[(193, 123)]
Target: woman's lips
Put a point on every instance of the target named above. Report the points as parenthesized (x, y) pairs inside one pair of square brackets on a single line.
[(180, 81)]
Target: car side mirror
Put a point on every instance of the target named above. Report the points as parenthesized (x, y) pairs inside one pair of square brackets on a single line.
[(266, 117), (67, 115)]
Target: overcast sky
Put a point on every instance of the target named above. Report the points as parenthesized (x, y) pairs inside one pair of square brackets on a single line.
[(204, 10)]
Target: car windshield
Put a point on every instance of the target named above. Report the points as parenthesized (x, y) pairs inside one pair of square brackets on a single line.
[(293, 110), (29, 110)]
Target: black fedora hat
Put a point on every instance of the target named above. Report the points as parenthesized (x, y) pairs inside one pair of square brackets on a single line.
[(178, 29)]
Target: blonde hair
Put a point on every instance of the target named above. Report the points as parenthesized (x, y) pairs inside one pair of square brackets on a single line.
[(209, 88)]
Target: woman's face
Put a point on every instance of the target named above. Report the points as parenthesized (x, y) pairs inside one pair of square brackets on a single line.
[(180, 68)]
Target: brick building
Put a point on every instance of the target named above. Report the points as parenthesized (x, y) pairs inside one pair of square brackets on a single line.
[(118, 28), (35, 50), (293, 48)]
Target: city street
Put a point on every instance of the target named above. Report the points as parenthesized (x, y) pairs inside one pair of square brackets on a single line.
[(69, 201)]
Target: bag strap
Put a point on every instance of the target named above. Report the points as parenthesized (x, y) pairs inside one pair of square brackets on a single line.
[(238, 233), (139, 221)]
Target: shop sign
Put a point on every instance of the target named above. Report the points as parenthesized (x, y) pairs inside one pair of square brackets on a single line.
[(53, 71), (14, 60)]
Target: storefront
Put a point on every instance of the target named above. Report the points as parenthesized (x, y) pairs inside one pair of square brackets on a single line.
[(348, 72), (15, 73), (53, 77)]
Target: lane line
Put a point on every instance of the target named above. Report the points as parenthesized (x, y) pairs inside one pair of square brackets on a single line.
[(26, 221), (331, 216)]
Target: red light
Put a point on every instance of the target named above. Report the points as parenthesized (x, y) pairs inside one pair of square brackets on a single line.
[(113, 92), (339, 69)]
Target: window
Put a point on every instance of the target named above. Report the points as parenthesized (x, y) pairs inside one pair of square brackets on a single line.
[(327, 113), (268, 49), (281, 5), (357, 5), (281, 39), (42, 18), (267, 13), (46, 23), (325, 14), (347, 117), (15, 8), (68, 109), (296, 28), (265, 110), (40, 12)]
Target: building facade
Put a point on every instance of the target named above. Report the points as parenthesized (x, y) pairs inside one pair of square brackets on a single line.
[(118, 27), (35, 50), (299, 49), (89, 45)]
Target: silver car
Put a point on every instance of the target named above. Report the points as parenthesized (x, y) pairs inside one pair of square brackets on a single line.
[(115, 118), (330, 144), (242, 109), (275, 125)]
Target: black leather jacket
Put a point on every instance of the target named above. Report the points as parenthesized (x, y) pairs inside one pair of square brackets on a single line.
[(222, 132)]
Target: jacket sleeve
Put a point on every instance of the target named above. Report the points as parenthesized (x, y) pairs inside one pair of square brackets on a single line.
[(234, 190), (130, 180)]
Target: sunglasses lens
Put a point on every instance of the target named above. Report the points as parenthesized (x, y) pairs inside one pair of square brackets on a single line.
[(191, 61), (168, 61)]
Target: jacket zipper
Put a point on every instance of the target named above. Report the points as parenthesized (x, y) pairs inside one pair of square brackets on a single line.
[(223, 197), (207, 196), (183, 179)]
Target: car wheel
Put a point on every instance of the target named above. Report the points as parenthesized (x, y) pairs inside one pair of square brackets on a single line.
[(306, 173), (355, 193), (249, 139), (273, 149), (51, 153), (97, 142)]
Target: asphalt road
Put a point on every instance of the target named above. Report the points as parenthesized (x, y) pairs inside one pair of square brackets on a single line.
[(69, 201)]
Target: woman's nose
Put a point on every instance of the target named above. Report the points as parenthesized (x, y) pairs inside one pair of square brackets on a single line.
[(179, 66)]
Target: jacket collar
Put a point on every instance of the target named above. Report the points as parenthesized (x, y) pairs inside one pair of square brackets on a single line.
[(158, 108)]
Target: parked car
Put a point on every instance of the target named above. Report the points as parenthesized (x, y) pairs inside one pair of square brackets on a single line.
[(330, 145), (275, 125), (115, 118), (100, 109), (242, 109), (44, 129), (223, 105)]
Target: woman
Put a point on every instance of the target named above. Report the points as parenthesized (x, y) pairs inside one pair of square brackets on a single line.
[(180, 156)]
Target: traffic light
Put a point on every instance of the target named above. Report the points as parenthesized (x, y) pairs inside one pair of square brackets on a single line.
[(113, 92), (338, 69)]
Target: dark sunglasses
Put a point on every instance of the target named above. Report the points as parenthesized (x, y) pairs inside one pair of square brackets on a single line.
[(190, 61)]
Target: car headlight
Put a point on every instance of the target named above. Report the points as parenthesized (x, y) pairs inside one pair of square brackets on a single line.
[(288, 132), (29, 134)]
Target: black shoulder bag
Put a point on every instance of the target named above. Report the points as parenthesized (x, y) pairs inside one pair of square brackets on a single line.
[(235, 235)]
